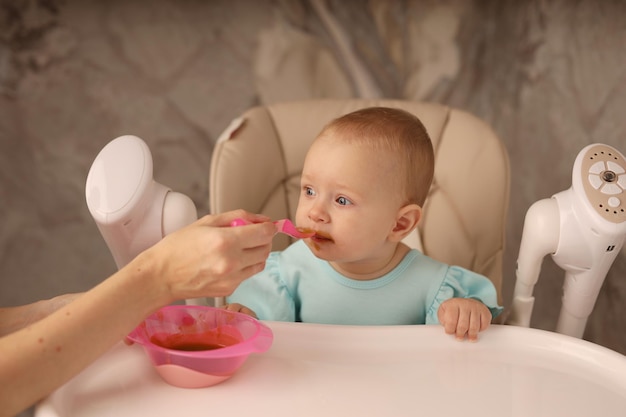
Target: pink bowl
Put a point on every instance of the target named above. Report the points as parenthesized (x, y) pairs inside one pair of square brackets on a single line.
[(199, 346)]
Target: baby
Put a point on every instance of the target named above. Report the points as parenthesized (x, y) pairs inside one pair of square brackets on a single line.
[(364, 182)]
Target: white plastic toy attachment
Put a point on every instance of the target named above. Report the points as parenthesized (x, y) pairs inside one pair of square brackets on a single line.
[(131, 210), (584, 228)]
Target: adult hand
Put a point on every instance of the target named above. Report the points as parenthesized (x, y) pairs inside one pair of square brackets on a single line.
[(205, 259), (464, 317), (208, 257)]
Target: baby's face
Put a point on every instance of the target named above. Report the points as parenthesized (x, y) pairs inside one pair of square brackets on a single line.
[(349, 197)]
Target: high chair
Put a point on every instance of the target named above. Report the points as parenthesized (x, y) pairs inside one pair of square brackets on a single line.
[(256, 166), (257, 162)]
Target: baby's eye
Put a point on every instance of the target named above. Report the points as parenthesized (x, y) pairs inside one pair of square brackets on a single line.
[(308, 191), (343, 201)]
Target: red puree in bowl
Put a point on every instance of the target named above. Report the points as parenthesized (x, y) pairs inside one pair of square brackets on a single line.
[(208, 340)]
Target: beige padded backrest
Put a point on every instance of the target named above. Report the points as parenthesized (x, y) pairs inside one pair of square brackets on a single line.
[(256, 166)]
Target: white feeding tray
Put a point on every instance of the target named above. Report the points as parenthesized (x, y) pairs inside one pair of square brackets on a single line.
[(321, 370)]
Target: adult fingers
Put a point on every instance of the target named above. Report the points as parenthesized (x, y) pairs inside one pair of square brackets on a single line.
[(249, 270), (255, 235), (225, 219)]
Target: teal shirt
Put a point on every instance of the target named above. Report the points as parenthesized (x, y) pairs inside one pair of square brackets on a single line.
[(296, 286)]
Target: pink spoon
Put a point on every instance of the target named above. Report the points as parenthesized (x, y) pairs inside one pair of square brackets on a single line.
[(282, 226)]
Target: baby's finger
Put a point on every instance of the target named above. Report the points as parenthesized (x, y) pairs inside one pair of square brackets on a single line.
[(239, 308), (485, 319), (449, 318), (474, 326), (463, 324)]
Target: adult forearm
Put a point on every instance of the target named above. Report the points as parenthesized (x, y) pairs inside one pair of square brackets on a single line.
[(13, 319), (41, 357)]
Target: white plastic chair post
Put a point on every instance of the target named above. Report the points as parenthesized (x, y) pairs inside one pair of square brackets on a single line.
[(131, 210), (584, 227), (539, 238)]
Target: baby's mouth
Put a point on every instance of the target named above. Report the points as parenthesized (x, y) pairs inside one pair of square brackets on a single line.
[(321, 237)]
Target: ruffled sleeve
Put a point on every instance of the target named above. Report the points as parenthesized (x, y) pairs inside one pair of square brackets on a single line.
[(462, 283), (266, 294)]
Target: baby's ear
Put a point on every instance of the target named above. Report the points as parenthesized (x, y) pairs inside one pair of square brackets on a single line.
[(406, 220)]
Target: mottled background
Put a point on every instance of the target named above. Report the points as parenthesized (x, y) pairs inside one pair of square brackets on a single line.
[(549, 76)]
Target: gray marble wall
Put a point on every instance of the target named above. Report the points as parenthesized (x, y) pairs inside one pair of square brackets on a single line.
[(549, 76)]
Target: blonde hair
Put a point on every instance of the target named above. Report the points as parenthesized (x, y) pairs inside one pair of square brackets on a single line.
[(396, 131)]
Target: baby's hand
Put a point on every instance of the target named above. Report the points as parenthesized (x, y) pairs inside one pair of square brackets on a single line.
[(239, 308), (464, 316)]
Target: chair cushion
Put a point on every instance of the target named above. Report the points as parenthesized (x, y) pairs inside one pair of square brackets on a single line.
[(256, 165)]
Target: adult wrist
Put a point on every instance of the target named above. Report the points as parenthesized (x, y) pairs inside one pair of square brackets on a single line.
[(147, 273)]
